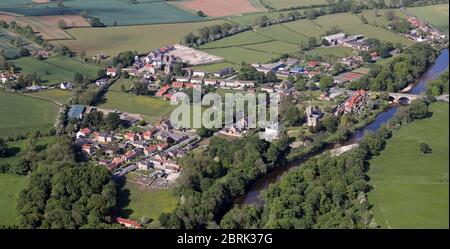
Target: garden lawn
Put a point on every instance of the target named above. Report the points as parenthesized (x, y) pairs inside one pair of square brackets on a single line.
[(437, 15), (151, 108), (11, 186), (411, 188), (57, 69), (138, 203), (22, 114)]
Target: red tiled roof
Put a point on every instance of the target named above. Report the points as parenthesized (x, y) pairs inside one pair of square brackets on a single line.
[(163, 90), (111, 70), (177, 84), (131, 223)]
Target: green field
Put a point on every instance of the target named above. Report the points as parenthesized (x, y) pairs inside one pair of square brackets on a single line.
[(334, 51), (437, 15), (410, 188), (57, 69), (142, 38), (11, 186), (122, 12), (152, 108), (58, 95), (350, 23), (212, 68), (237, 55), (21, 114), (282, 4), (138, 203), (5, 45)]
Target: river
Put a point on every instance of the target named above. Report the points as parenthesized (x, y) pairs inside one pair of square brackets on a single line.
[(441, 64)]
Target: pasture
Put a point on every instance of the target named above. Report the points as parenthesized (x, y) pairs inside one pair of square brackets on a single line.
[(5, 45), (110, 12), (11, 186), (18, 149), (350, 23), (437, 15), (137, 203), (143, 38), (151, 108), (22, 114), (283, 4), (334, 51), (219, 8), (56, 69), (57, 95), (411, 188)]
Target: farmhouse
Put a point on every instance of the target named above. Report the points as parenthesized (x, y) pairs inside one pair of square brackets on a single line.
[(66, 85), (111, 71)]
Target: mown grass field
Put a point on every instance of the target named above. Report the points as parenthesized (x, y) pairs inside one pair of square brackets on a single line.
[(21, 114), (11, 186), (5, 45), (152, 108), (138, 203), (142, 38), (437, 15), (335, 51), (411, 189), (56, 69), (58, 95)]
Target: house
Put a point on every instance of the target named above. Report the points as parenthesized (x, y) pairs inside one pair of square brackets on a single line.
[(210, 82), (162, 146), (196, 80), (188, 85), (177, 85), (162, 91), (87, 148), (268, 88), (104, 137), (129, 223), (223, 72), (139, 144), (83, 132), (66, 85), (272, 132), (130, 155), (111, 71), (296, 70), (201, 74), (117, 161), (150, 149), (356, 102), (178, 137), (42, 54), (165, 125), (183, 79), (131, 136), (101, 82), (145, 165), (76, 111), (148, 134), (148, 68), (312, 64)]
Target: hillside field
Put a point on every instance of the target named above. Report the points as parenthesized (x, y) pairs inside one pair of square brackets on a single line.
[(56, 69), (58, 95), (21, 114), (282, 4), (437, 15), (143, 38), (411, 188)]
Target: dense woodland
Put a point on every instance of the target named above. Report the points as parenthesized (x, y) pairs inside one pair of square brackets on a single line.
[(401, 71)]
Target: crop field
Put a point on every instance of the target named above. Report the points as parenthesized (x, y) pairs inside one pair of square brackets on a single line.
[(411, 188), (58, 95), (282, 4), (152, 108), (142, 38), (137, 203), (21, 114), (218, 8), (437, 15), (57, 69), (349, 23), (11, 186), (120, 12)]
